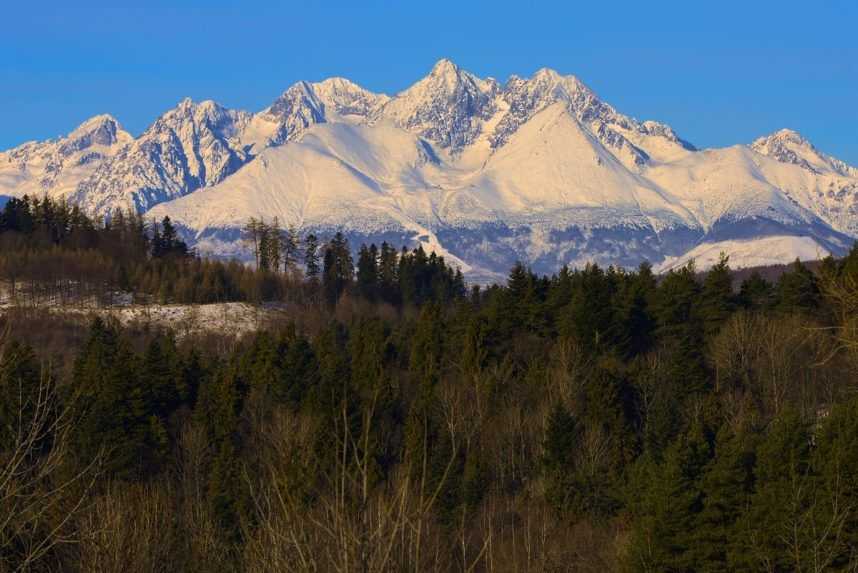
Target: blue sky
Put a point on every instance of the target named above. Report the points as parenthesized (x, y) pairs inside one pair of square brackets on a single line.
[(718, 72)]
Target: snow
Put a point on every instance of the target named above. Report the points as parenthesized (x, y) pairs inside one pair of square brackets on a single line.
[(537, 169), (56, 167), (772, 250), (234, 318)]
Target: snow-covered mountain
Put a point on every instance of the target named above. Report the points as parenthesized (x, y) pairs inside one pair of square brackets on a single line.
[(536, 169), (189, 147), (57, 166)]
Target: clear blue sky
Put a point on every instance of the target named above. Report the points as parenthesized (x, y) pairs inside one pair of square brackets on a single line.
[(719, 72)]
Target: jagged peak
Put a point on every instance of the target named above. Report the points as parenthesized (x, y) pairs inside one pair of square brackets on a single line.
[(189, 110), (789, 146), (553, 76), (781, 137), (546, 73), (102, 129), (339, 82), (342, 86), (206, 105), (443, 67), (185, 104), (785, 134), (97, 121), (302, 87), (447, 74)]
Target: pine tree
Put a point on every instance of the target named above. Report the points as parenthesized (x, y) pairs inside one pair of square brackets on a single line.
[(291, 249), (161, 371), (275, 245), (726, 491), (251, 234), (667, 507), (558, 458), (264, 246), (338, 269), (756, 293), (19, 383), (589, 316), (299, 372), (636, 331), (716, 296), (106, 373), (797, 289), (681, 330), (367, 272), (311, 257), (836, 461), (388, 273), (783, 484)]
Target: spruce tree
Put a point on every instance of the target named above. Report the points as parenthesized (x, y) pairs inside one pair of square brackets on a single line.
[(756, 293), (726, 490), (291, 248), (311, 257), (367, 272), (798, 289), (19, 386), (667, 505), (783, 483), (716, 296), (558, 457)]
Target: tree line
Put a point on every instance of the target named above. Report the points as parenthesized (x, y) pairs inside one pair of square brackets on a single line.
[(594, 420), (51, 251)]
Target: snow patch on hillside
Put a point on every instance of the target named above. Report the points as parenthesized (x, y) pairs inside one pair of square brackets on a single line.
[(763, 251)]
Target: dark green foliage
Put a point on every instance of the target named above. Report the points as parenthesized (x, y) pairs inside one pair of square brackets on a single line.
[(756, 293), (589, 317), (367, 272), (717, 300), (592, 420), (559, 452), (726, 486), (338, 268), (797, 289), (783, 491), (124, 416), (19, 387), (681, 329), (166, 242), (668, 507), (311, 256)]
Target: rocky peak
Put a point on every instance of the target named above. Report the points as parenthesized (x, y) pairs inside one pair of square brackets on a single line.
[(788, 146), (344, 97), (100, 130), (296, 109), (447, 106), (192, 145)]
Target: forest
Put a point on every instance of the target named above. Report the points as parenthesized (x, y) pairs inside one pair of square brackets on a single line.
[(400, 420)]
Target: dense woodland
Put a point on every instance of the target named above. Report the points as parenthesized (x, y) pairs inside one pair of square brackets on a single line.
[(594, 420)]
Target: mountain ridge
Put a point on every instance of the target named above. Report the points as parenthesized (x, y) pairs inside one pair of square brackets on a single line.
[(538, 169)]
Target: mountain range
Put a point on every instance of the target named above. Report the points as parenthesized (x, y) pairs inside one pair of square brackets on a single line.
[(535, 169)]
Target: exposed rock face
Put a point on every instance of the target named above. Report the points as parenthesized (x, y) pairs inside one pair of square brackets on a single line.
[(537, 169)]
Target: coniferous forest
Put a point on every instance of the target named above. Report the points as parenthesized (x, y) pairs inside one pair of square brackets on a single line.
[(401, 420)]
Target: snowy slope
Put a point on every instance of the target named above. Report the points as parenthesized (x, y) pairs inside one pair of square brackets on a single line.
[(537, 169), (191, 146), (57, 166), (772, 250)]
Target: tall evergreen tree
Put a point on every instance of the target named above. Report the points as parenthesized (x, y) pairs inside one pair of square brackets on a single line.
[(726, 487), (716, 296), (367, 272), (798, 289), (338, 270), (311, 257), (756, 293)]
